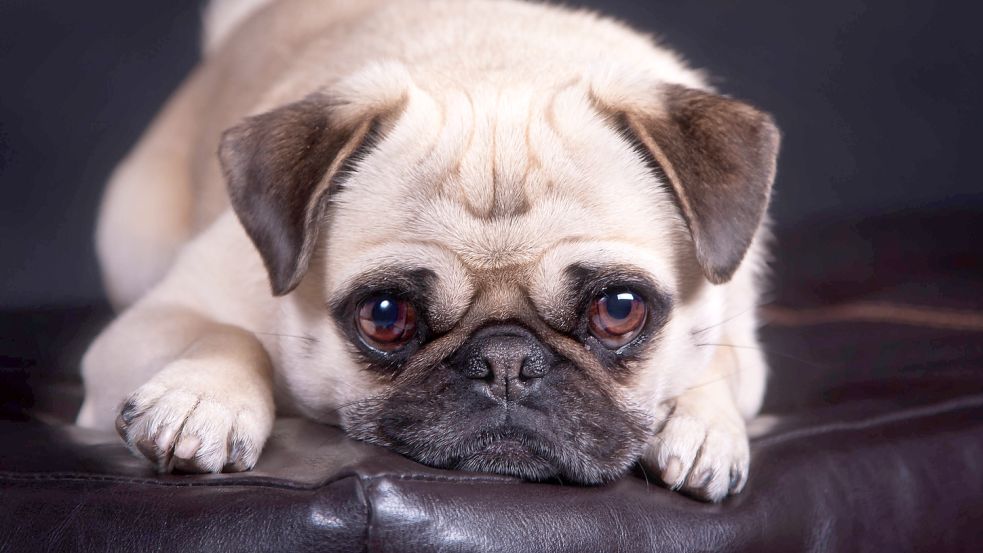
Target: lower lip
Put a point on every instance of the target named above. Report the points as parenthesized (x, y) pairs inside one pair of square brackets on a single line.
[(506, 448)]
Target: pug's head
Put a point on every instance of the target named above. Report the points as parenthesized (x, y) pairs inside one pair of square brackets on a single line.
[(499, 279)]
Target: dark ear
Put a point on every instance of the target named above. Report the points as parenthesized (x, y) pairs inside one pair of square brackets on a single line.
[(280, 168), (719, 156)]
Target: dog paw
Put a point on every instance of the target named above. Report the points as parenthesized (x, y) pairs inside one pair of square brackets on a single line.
[(702, 454), (181, 427)]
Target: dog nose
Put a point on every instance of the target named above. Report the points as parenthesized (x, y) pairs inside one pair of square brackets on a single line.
[(509, 359)]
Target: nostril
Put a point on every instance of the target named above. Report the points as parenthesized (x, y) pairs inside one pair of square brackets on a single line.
[(476, 367), (534, 367)]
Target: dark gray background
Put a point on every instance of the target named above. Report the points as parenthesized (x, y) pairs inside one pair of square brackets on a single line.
[(879, 102)]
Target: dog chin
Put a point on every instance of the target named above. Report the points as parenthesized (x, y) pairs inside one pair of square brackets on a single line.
[(511, 456)]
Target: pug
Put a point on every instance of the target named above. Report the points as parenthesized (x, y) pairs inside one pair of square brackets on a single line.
[(490, 236)]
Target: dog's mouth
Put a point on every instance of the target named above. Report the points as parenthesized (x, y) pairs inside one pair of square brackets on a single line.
[(525, 443), (516, 441), (511, 452)]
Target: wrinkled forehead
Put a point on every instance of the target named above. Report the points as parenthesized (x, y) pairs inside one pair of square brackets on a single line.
[(475, 182)]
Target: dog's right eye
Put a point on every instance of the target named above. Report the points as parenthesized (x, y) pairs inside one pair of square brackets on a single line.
[(386, 322)]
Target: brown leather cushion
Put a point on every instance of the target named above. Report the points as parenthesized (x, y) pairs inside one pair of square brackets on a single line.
[(871, 439)]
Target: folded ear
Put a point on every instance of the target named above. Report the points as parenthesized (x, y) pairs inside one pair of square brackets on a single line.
[(280, 168), (719, 156)]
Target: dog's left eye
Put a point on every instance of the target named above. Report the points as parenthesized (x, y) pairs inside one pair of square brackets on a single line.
[(386, 322), (616, 317)]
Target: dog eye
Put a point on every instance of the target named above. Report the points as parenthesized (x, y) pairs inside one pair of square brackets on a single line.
[(385, 322), (616, 317)]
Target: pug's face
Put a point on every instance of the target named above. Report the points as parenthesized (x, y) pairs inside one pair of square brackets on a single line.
[(500, 280)]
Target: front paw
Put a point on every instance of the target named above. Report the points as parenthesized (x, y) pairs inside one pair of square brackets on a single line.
[(701, 453), (180, 424)]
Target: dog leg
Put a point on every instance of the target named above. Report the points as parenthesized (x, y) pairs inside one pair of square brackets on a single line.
[(701, 448), (205, 396)]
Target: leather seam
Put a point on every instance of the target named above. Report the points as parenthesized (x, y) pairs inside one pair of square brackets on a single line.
[(876, 312), (81, 477), (369, 512), (435, 478), (924, 412)]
